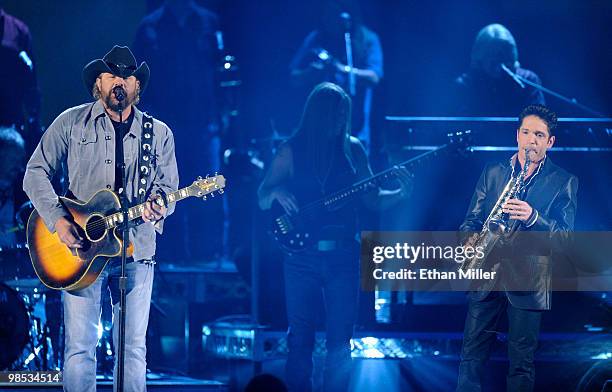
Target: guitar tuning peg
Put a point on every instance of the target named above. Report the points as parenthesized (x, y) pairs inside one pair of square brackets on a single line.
[(216, 174), (204, 197), (212, 194), (221, 191)]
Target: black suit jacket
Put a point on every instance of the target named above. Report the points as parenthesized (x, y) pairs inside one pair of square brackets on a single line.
[(552, 193)]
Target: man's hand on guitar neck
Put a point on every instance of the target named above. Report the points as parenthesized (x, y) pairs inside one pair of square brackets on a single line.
[(154, 209), (68, 233), (406, 180)]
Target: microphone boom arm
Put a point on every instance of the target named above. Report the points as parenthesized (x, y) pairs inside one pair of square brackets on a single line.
[(573, 101)]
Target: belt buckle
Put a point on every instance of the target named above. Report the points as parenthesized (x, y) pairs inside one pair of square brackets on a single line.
[(150, 261), (327, 245)]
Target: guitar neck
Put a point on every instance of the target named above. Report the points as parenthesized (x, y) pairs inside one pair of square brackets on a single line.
[(135, 212), (366, 185)]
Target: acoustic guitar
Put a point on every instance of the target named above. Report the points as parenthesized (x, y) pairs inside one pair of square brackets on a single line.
[(61, 268)]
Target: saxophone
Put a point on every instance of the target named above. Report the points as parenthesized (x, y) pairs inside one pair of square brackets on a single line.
[(496, 225)]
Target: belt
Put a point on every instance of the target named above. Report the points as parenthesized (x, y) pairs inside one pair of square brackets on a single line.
[(330, 245), (147, 261), (130, 259)]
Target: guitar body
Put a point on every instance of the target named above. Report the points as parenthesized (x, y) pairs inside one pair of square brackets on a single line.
[(296, 233), (99, 219), (293, 233), (55, 264)]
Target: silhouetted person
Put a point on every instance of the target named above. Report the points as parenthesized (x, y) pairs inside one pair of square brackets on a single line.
[(486, 89), (19, 95), (323, 57), (319, 159)]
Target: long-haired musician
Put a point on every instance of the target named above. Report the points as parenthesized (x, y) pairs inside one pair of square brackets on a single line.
[(319, 159)]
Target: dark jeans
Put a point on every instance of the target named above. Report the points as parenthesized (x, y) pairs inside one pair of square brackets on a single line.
[(335, 275), (480, 333)]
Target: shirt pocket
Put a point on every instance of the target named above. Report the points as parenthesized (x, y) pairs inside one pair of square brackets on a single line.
[(87, 144), (84, 156)]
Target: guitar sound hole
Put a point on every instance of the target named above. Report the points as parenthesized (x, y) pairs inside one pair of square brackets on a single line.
[(95, 228)]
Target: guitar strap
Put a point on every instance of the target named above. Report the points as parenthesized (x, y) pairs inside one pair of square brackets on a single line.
[(146, 156)]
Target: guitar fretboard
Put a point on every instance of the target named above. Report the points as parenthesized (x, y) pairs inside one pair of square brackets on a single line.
[(135, 212), (358, 188), (370, 183)]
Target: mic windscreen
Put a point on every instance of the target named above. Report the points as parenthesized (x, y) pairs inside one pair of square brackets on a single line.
[(119, 93), (346, 20)]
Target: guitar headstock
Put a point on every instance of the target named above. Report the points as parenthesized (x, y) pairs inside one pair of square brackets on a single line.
[(460, 141), (202, 187), (462, 138)]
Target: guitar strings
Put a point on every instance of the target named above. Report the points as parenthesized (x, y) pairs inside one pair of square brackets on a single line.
[(313, 205), (103, 222), (308, 208), (316, 204)]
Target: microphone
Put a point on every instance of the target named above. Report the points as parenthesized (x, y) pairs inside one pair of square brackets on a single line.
[(512, 75), (346, 19), (219, 38), (119, 93), (26, 59)]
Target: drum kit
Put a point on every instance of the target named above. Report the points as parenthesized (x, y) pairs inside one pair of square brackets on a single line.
[(30, 314)]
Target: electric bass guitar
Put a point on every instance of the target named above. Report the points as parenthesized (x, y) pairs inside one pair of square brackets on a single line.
[(297, 232), (59, 267)]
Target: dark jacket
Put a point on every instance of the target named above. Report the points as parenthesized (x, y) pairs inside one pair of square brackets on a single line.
[(552, 193), (475, 94)]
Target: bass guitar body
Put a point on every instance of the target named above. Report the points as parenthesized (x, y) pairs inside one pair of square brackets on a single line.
[(293, 233)]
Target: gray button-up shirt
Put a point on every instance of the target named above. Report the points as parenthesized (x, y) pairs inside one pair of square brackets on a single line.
[(83, 138)]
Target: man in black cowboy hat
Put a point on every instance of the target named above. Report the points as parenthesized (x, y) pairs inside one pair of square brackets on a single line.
[(84, 138)]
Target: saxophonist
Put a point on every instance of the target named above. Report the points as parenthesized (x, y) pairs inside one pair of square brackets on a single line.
[(547, 204)]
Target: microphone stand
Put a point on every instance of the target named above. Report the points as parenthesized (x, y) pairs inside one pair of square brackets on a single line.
[(125, 239), (572, 101), (346, 18)]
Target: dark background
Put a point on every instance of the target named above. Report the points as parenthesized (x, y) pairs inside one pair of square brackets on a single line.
[(425, 44)]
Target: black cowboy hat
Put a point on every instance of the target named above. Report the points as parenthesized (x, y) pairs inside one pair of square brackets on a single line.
[(120, 62)]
